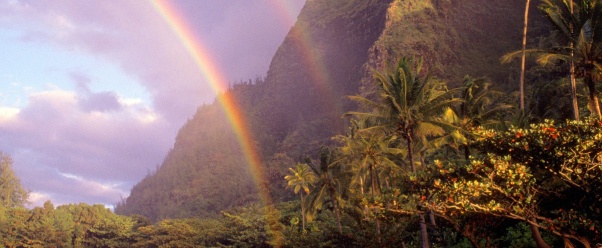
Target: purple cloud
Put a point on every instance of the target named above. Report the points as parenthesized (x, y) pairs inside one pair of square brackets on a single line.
[(89, 101), (112, 150), (78, 145)]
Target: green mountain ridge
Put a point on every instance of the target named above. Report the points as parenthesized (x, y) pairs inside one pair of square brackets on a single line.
[(330, 53)]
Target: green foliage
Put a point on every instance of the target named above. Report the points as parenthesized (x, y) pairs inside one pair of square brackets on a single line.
[(362, 193), (549, 98), (577, 33), (296, 109), (66, 226), (410, 105), (524, 174), (248, 227), (300, 178), (449, 39), (196, 178), (167, 233), (520, 175), (481, 105), (519, 236), (12, 193)]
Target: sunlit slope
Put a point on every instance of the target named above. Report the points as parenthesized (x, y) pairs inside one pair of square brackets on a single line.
[(455, 37), (328, 54)]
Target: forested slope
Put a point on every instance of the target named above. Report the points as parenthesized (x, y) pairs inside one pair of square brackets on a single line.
[(327, 55)]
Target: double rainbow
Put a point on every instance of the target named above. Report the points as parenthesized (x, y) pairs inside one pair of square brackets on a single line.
[(203, 59), (216, 79)]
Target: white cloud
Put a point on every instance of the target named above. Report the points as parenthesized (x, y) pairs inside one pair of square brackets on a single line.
[(103, 141), (7, 113), (37, 198), (104, 153)]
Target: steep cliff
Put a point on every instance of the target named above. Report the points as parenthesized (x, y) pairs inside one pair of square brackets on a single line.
[(329, 54)]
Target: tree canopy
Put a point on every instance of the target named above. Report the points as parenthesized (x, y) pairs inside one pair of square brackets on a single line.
[(12, 193)]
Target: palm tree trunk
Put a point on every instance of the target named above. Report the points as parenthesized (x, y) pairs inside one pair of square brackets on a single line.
[(596, 105), (593, 95), (423, 230), (372, 180), (574, 89), (523, 59), (374, 191), (335, 204), (572, 75), (410, 153), (302, 212), (362, 184)]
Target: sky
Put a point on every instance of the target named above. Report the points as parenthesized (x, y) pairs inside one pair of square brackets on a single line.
[(92, 93)]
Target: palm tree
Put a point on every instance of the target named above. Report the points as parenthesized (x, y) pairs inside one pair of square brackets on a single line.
[(410, 106), (479, 107), (583, 31), (368, 151), (328, 184), (300, 179), (572, 74), (579, 34), (523, 59)]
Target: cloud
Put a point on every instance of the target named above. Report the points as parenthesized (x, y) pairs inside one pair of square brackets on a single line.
[(63, 188), (102, 102), (88, 101), (106, 153), (76, 144), (242, 35), (130, 34)]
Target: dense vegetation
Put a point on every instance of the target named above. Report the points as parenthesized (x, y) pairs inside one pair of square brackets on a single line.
[(424, 156), (291, 112), (328, 55)]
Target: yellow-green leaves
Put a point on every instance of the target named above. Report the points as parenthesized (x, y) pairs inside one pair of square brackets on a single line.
[(301, 177)]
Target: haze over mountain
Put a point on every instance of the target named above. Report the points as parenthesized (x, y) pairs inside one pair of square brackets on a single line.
[(92, 93), (328, 54)]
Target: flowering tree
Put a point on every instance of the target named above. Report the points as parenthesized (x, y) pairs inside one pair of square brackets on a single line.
[(547, 175)]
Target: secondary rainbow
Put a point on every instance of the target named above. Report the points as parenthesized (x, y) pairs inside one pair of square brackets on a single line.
[(310, 55), (209, 70)]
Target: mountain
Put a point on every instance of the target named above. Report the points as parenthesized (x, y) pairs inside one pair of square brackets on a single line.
[(328, 54)]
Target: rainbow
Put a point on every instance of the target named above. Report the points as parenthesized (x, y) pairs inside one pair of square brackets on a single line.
[(284, 10), (311, 58), (216, 79), (202, 57)]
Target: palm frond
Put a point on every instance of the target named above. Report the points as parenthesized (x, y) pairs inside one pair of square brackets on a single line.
[(509, 57), (550, 58), (426, 129), (365, 102)]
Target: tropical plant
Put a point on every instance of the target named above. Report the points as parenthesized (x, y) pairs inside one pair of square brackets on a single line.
[(300, 180), (546, 175), (369, 152), (480, 107), (524, 56), (583, 30), (410, 105), (329, 185), (579, 38)]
